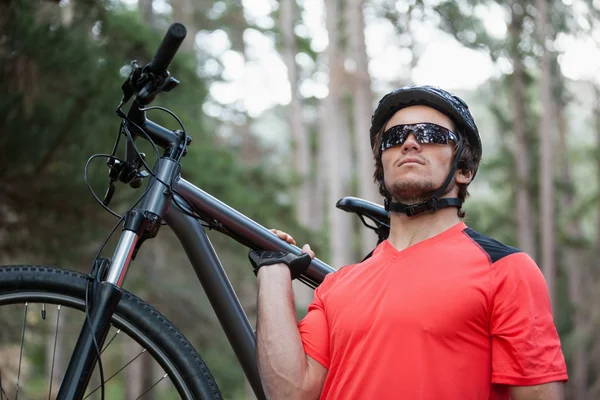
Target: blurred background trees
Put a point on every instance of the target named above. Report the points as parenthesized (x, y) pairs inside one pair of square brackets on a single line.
[(277, 97)]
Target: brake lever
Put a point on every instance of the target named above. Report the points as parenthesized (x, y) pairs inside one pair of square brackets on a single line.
[(126, 173), (115, 167), (109, 194), (145, 84)]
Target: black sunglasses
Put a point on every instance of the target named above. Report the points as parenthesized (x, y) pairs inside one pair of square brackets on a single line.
[(425, 132)]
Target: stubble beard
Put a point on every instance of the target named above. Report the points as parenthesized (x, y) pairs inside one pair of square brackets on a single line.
[(414, 192)]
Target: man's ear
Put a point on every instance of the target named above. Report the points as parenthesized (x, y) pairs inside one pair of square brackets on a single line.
[(464, 177)]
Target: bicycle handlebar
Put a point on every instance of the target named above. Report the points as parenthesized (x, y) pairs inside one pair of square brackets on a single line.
[(167, 49), (145, 83)]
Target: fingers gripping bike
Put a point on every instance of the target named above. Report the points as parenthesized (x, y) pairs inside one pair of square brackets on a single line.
[(168, 199)]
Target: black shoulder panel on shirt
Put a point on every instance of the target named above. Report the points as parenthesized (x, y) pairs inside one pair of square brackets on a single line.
[(493, 248)]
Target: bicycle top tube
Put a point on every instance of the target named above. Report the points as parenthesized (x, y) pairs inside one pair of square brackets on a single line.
[(247, 231)]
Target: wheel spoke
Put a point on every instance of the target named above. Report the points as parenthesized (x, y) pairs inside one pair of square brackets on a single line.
[(45, 288), (21, 352), (116, 373), (54, 351), (152, 387), (110, 341)]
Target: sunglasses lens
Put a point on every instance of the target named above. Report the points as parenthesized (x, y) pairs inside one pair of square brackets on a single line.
[(432, 134), (394, 136), (424, 133)]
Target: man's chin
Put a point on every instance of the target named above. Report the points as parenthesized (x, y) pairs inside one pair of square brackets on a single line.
[(409, 200), (412, 192)]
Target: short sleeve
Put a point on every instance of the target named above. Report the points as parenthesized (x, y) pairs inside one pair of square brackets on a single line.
[(314, 330), (526, 349)]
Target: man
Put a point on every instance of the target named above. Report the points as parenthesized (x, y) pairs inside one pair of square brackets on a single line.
[(438, 311)]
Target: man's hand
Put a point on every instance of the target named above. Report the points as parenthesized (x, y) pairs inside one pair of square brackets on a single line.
[(296, 264), (263, 261), (288, 238), (284, 236)]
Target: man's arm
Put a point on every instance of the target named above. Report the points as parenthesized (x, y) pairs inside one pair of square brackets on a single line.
[(548, 391), (526, 348), (286, 371)]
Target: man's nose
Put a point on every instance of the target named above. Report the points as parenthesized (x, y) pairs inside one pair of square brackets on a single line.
[(411, 143)]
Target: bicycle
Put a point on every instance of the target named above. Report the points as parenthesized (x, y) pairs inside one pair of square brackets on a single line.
[(167, 200)]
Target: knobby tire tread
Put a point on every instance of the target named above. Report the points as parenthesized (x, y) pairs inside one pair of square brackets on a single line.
[(15, 278)]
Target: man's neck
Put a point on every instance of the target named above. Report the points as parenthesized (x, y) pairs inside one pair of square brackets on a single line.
[(406, 231)]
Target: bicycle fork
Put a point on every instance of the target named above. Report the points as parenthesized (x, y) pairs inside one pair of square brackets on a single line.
[(140, 224), (102, 300)]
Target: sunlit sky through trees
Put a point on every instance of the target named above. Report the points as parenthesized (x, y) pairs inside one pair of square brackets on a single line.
[(262, 82)]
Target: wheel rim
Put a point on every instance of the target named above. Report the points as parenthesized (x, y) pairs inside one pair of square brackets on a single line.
[(117, 321)]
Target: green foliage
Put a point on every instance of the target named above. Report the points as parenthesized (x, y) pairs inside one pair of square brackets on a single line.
[(460, 20), (63, 85), (52, 113), (76, 109)]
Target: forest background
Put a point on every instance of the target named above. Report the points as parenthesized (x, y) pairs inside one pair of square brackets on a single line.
[(278, 96)]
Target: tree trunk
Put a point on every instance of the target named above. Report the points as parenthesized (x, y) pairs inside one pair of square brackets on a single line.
[(250, 152), (134, 371), (575, 265), (320, 177), (148, 377), (145, 8), (67, 12), (140, 375), (597, 127), (5, 15), (546, 136), (300, 140), (592, 282), (301, 151), (338, 145), (183, 12), (362, 110), (525, 228)]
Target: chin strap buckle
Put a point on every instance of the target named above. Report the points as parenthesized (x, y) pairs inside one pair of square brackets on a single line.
[(411, 210), (432, 203)]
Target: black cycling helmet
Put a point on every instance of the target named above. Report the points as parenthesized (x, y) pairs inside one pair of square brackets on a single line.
[(447, 103)]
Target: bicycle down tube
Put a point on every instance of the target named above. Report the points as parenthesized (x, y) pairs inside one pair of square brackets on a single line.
[(210, 272)]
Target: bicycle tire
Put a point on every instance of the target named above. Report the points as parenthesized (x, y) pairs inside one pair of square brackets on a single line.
[(20, 283)]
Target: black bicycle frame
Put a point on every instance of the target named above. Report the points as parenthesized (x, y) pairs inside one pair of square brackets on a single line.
[(159, 202), (143, 222), (212, 276)]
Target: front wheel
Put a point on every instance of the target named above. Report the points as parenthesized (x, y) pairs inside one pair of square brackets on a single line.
[(45, 307)]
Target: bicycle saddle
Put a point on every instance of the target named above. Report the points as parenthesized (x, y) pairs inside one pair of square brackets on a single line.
[(364, 208)]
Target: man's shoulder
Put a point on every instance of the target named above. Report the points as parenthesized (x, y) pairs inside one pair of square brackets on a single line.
[(350, 272), (493, 249)]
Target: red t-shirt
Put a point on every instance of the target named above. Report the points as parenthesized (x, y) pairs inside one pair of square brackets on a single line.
[(457, 316)]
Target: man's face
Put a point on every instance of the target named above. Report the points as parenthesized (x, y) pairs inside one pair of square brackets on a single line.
[(413, 171)]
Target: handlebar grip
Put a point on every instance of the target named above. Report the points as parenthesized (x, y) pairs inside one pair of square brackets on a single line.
[(167, 49)]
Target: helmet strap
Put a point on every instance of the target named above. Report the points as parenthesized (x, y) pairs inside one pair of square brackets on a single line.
[(434, 203)]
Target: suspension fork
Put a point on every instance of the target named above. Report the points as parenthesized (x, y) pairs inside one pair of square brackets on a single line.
[(140, 224)]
